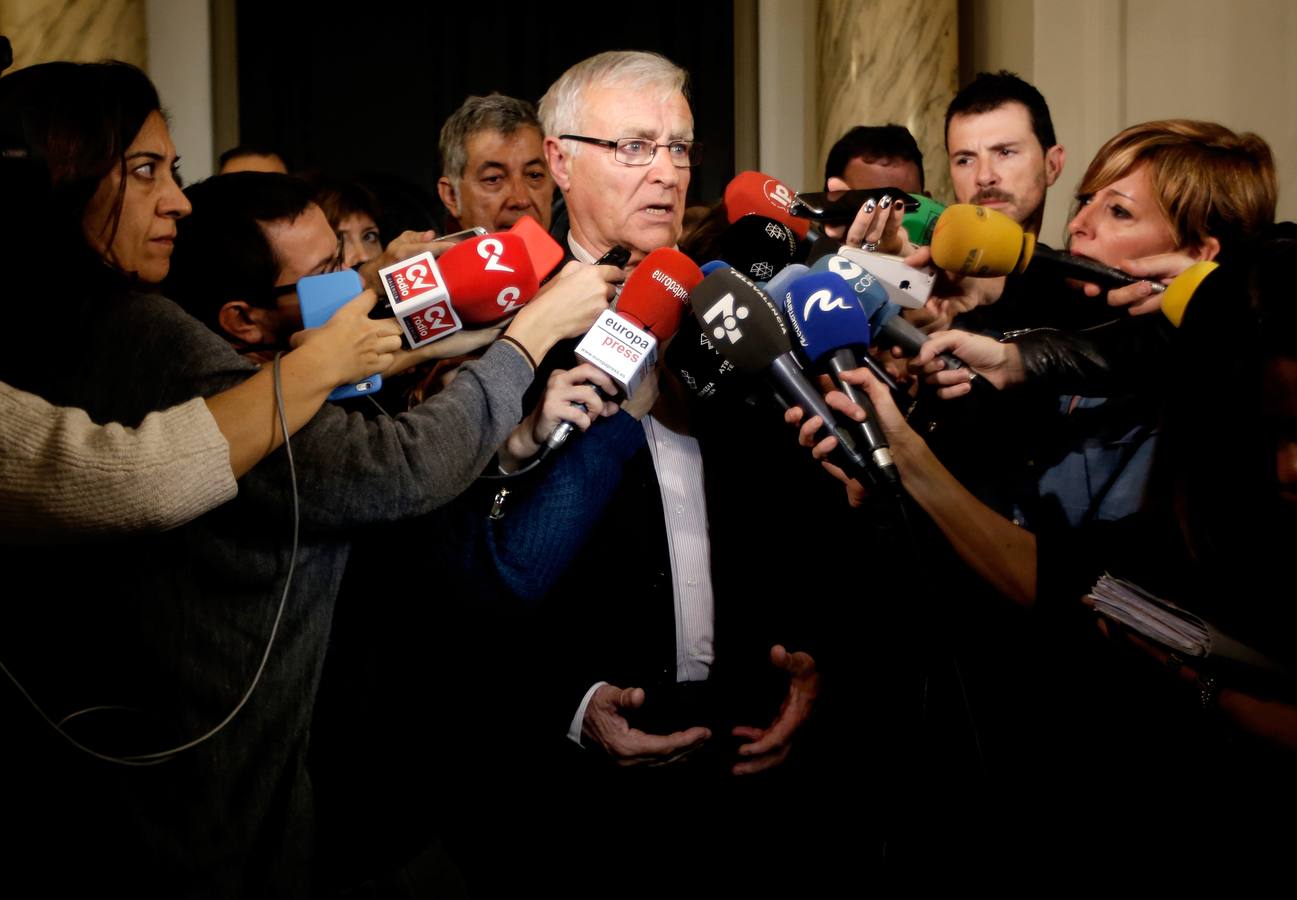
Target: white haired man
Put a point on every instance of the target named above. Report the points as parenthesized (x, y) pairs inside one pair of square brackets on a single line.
[(638, 679)]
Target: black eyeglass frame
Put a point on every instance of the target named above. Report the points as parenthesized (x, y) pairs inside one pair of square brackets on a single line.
[(283, 290)]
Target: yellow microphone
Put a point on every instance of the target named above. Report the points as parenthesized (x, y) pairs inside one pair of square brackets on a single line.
[(974, 240), (1181, 289)]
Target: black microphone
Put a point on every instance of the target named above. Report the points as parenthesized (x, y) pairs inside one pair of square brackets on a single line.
[(758, 247), (743, 324)]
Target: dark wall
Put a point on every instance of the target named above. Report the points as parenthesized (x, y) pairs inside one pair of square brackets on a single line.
[(370, 93)]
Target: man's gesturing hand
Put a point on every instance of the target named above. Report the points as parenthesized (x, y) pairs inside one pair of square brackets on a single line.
[(769, 747), (606, 726)]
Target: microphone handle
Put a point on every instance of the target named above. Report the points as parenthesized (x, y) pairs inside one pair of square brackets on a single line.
[(1091, 270), (563, 430), (898, 332), (875, 442), (790, 381)]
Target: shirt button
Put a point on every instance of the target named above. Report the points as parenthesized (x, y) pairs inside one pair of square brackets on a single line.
[(680, 510), (692, 582)]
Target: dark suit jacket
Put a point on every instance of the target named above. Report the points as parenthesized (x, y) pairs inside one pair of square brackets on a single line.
[(612, 617)]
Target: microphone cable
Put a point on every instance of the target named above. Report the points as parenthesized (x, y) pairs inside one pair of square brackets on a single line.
[(160, 756)]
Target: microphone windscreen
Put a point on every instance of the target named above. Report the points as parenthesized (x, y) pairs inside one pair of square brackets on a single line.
[(824, 314), (823, 246), (488, 277), (544, 252), (779, 284), (758, 247), (657, 291), (710, 267), (1175, 301), (740, 321), (755, 194), (974, 240), (700, 367), (867, 287)]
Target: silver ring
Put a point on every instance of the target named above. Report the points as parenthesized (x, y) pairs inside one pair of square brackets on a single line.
[(869, 246)]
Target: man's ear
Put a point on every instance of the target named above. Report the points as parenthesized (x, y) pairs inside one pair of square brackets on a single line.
[(446, 191), (1055, 156), (560, 163), (247, 323)]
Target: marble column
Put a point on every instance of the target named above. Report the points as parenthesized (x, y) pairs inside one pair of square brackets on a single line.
[(885, 61), (79, 30)]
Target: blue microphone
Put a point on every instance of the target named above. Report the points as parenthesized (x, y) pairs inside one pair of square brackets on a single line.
[(889, 327), (776, 287), (832, 328)]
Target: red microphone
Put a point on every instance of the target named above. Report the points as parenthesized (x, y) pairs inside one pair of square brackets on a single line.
[(544, 251), (752, 193), (475, 282), (656, 294), (624, 343), (489, 277)]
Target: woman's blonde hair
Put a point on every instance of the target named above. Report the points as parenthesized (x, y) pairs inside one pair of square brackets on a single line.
[(1207, 180)]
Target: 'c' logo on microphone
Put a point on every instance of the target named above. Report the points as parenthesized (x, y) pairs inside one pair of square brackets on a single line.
[(491, 250), (845, 267)]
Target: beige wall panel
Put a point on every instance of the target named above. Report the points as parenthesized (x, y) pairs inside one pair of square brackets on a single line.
[(884, 61), (1106, 64), (80, 30), (994, 35), (1234, 64)]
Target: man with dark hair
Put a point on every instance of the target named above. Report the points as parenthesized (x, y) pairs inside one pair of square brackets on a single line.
[(250, 158), (236, 264), (1002, 149), (493, 164), (870, 156)]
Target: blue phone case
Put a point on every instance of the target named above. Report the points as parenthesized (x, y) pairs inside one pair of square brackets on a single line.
[(321, 296)]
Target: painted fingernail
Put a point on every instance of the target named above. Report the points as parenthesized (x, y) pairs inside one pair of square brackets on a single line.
[(886, 201), (869, 205)]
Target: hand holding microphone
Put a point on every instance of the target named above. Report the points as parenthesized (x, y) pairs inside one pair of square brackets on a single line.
[(350, 345), (1002, 363), (744, 325), (569, 397), (567, 306), (623, 344), (832, 329), (999, 363), (1145, 296), (906, 445)]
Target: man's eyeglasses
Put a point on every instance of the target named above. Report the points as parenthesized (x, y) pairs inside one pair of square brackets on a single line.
[(335, 265), (640, 151)]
